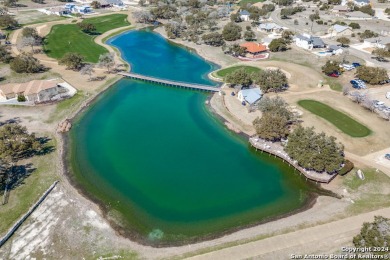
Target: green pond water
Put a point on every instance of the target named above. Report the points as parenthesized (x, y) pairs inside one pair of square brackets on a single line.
[(163, 166)]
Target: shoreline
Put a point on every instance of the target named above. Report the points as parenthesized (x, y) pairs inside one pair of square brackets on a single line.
[(133, 235)]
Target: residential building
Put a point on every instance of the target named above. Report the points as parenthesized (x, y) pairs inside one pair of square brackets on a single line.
[(60, 11), (357, 15), (336, 50), (377, 42), (110, 3), (270, 27), (244, 15), (84, 9), (340, 30), (361, 3), (35, 91), (250, 95), (254, 48), (308, 42)]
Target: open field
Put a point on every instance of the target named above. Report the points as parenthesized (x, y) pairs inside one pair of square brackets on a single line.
[(69, 38), (243, 3), (223, 72), (337, 118), (33, 17), (108, 22), (64, 38)]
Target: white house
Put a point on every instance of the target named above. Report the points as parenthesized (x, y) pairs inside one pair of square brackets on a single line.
[(336, 50), (361, 3), (340, 30), (250, 95), (270, 27), (308, 42), (244, 15), (60, 11), (377, 42), (37, 91), (340, 9)]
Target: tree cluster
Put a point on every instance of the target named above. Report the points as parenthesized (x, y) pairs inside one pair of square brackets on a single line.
[(271, 80), (87, 27), (26, 63), (72, 61), (234, 50), (231, 32), (331, 67), (5, 55), (368, 34), (213, 39), (239, 77), (344, 41), (285, 13), (372, 75), (313, 151), (8, 22), (374, 234), (278, 44), (275, 120), (367, 9)]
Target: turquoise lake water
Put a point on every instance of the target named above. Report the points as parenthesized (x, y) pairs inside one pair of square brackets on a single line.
[(163, 166)]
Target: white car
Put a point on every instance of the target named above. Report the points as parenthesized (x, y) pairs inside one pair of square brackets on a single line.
[(388, 95)]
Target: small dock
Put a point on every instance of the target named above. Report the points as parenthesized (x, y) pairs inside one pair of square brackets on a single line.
[(277, 150), (170, 83)]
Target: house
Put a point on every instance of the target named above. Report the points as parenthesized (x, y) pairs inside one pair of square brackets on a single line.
[(110, 3), (340, 30), (84, 9), (335, 50), (69, 6), (270, 27), (35, 91), (357, 15), (250, 95), (340, 9), (254, 48), (361, 3), (377, 42), (60, 11), (308, 42), (244, 15)]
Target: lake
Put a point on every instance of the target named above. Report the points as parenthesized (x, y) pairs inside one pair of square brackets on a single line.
[(163, 168)]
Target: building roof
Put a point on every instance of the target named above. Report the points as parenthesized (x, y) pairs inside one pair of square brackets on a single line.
[(110, 2), (317, 41), (251, 95), (302, 37), (340, 28), (28, 88), (253, 47), (358, 14), (244, 12), (362, 1), (270, 26), (341, 8), (380, 40), (334, 47), (58, 9)]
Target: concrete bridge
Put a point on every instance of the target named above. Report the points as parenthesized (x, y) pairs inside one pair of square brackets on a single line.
[(171, 83)]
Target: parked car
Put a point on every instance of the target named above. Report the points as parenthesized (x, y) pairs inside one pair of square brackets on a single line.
[(387, 156), (388, 95), (334, 75), (356, 64)]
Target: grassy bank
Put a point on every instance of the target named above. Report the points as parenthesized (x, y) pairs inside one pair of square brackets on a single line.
[(223, 72), (66, 38), (342, 121)]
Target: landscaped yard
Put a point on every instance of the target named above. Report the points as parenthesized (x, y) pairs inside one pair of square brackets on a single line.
[(66, 38), (223, 72), (342, 121)]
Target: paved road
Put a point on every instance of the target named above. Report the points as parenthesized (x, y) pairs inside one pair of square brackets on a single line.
[(326, 238)]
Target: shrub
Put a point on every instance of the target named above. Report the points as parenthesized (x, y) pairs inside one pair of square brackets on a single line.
[(348, 166), (26, 63), (21, 98)]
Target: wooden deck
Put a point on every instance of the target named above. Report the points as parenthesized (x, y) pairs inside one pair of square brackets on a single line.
[(277, 150), (171, 83)]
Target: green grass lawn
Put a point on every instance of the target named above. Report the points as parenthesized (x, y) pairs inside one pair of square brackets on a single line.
[(66, 38), (108, 22), (223, 72), (342, 121)]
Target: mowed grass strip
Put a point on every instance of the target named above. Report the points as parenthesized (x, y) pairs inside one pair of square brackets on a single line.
[(223, 72), (108, 22), (64, 38), (342, 121)]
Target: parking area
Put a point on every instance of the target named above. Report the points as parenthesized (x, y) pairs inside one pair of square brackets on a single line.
[(379, 93)]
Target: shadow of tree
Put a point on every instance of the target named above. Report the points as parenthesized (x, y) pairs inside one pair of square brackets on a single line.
[(14, 120), (18, 174)]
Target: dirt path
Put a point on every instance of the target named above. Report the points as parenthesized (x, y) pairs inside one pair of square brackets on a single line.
[(319, 239)]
